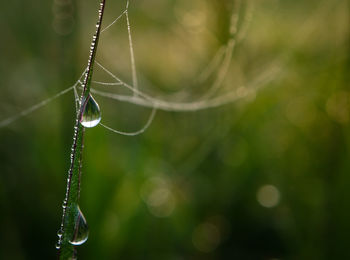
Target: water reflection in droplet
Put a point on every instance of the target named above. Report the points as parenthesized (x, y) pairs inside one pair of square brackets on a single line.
[(92, 114), (81, 229)]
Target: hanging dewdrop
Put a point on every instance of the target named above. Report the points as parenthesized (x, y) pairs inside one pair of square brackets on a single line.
[(91, 114)]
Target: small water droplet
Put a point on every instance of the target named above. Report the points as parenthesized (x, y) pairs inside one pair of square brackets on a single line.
[(60, 233), (81, 229), (58, 246), (92, 114)]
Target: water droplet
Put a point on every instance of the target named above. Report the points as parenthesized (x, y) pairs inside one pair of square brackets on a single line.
[(60, 233), (91, 115), (59, 242), (81, 229)]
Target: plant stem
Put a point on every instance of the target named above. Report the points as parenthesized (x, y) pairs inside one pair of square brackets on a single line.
[(66, 249)]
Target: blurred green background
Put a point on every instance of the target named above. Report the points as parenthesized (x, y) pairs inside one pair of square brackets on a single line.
[(264, 177)]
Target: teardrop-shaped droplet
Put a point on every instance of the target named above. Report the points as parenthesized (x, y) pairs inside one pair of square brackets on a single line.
[(60, 233), (91, 113), (81, 229), (58, 246)]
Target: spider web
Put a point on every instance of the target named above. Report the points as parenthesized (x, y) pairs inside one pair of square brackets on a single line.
[(217, 69)]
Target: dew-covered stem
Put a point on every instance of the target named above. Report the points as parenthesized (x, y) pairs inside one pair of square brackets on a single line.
[(73, 230)]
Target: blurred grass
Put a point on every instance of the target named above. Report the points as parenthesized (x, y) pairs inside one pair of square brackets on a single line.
[(188, 188)]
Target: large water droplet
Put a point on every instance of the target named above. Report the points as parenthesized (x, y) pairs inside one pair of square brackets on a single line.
[(91, 114), (81, 229)]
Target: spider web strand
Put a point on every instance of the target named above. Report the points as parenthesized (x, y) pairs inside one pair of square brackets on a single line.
[(268, 75), (131, 48), (143, 129), (117, 19), (35, 107)]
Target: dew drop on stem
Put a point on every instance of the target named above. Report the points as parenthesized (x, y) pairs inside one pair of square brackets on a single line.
[(91, 115), (58, 246), (81, 229)]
